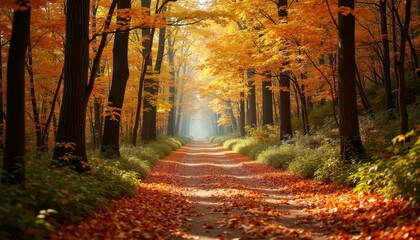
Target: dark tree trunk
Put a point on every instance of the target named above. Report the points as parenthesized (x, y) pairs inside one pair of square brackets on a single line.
[(386, 64), (284, 82), (350, 142), (242, 114), (394, 40), (97, 127), (362, 94), (300, 89), (1, 98), (284, 108), (252, 103), (70, 146), (267, 103), (148, 130), (14, 151), (401, 86), (110, 146), (40, 144)]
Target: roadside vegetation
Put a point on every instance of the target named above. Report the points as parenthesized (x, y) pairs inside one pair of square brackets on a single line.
[(390, 167), (54, 196)]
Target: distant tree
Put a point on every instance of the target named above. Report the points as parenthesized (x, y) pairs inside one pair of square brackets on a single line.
[(14, 151)]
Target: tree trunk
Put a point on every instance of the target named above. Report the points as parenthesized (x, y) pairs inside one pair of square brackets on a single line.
[(97, 127), (232, 116), (70, 146), (148, 130), (242, 115), (350, 142), (1, 97), (284, 81), (40, 144), (252, 103), (267, 103), (172, 89), (110, 146), (14, 151), (401, 85), (284, 108), (386, 64)]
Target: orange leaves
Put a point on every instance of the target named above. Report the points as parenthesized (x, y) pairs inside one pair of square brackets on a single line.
[(157, 212)]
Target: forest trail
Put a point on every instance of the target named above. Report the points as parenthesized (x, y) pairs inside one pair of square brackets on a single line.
[(231, 202), (204, 191)]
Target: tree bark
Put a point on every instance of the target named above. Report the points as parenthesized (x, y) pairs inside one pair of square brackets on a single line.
[(252, 103), (267, 103), (1, 97), (386, 64), (284, 108), (70, 146), (13, 157), (172, 89), (401, 85), (40, 144), (284, 81), (242, 114), (350, 141), (110, 146)]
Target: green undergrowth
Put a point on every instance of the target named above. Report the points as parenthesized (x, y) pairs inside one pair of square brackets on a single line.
[(311, 156), (56, 196), (389, 168)]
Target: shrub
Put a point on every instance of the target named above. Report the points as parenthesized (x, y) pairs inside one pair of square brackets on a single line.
[(278, 156), (231, 143), (245, 145), (257, 150), (398, 175), (161, 148)]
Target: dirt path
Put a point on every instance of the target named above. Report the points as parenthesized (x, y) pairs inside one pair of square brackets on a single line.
[(203, 191), (232, 202)]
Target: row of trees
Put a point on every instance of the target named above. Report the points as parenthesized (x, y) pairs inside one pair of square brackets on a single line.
[(289, 57), (78, 57)]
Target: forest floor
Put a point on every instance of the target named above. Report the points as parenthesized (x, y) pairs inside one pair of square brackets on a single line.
[(204, 191)]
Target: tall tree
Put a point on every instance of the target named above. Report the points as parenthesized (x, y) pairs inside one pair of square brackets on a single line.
[(14, 151), (350, 141), (111, 134), (70, 146), (172, 89), (267, 102), (148, 127), (252, 104), (284, 83), (1, 97), (386, 64), (401, 75)]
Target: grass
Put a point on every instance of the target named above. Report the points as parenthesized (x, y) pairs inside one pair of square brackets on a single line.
[(54, 196)]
